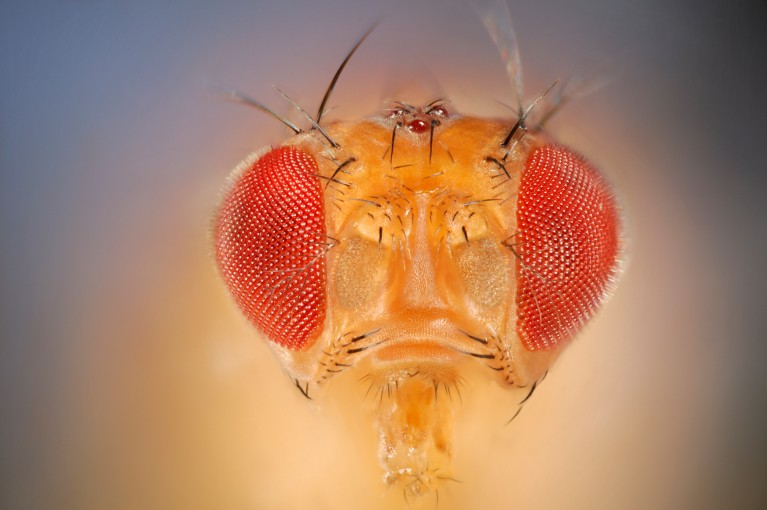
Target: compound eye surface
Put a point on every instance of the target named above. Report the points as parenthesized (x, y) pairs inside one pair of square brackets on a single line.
[(567, 247), (270, 245)]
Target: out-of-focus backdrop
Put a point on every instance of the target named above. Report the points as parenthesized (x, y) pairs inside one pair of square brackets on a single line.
[(129, 381)]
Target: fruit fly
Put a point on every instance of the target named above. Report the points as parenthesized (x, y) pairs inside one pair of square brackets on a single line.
[(410, 245)]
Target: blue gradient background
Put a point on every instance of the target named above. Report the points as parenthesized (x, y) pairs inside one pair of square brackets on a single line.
[(127, 379)]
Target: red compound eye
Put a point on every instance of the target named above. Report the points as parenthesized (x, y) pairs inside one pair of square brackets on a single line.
[(567, 246), (270, 244)]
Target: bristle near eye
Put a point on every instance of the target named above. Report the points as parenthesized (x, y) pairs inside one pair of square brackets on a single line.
[(568, 246)]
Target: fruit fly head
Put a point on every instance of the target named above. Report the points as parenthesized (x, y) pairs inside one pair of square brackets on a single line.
[(419, 236), (408, 245)]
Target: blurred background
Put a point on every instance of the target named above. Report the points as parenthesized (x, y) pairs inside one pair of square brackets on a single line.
[(127, 378)]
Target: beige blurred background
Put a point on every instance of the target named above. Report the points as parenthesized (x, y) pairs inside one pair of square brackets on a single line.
[(129, 381)]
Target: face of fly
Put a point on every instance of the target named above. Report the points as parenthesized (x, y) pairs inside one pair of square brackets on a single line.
[(418, 240)]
